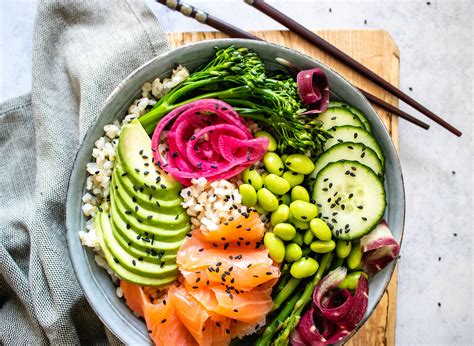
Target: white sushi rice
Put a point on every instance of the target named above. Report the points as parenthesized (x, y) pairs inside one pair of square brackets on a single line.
[(209, 204), (100, 168)]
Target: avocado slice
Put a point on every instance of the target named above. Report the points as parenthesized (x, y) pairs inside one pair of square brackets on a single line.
[(170, 231), (131, 198), (154, 254), (129, 262), (122, 272), (135, 154)]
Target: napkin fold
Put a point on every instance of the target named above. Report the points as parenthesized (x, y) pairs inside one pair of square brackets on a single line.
[(81, 51)]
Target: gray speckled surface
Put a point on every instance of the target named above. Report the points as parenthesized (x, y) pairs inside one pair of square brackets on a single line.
[(437, 54)]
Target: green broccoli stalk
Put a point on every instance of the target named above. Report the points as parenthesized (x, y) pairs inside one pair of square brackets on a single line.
[(237, 76)]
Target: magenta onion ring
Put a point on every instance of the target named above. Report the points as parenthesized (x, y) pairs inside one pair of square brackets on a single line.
[(206, 138), (379, 249), (313, 88)]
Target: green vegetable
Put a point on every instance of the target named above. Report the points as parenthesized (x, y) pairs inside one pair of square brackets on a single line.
[(355, 257), (297, 223), (267, 200), (303, 211), (276, 184), (238, 77), (299, 163), (308, 237), (322, 246), (303, 268), (299, 193), (343, 248), (298, 239), (292, 177), (251, 176), (351, 280), (275, 246), (272, 143), (320, 229), (273, 163), (283, 157), (284, 231), (285, 199), (249, 195), (280, 215), (288, 316), (293, 252)]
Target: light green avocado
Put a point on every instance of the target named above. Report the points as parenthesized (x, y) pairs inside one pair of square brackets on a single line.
[(163, 225), (158, 255), (131, 198), (122, 272), (126, 221), (133, 264), (135, 154)]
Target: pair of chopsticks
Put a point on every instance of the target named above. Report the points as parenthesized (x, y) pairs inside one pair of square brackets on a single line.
[(319, 42)]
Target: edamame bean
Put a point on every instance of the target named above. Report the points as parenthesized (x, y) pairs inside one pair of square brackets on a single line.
[(343, 248), (351, 280), (273, 163), (293, 178), (322, 246), (251, 176), (275, 246), (284, 231), (293, 252), (272, 143), (299, 163), (259, 209), (285, 199), (303, 211), (249, 195), (320, 229), (267, 200), (280, 215), (283, 157), (297, 223), (308, 237), (276, 184), (355, 257), (298, 239), (264, 175), (299, 193), (303, 268)]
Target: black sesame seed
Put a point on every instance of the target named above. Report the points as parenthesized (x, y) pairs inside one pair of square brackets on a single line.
[(134, 262), (128, 212), (116, 260)]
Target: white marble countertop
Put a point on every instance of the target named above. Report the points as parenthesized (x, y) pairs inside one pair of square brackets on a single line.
[(435, 289)]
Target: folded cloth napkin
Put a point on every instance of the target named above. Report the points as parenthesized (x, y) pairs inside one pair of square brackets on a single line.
[(81, 51)]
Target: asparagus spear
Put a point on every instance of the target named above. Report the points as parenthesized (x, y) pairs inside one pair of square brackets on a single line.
[(293, 319), (289, 316)]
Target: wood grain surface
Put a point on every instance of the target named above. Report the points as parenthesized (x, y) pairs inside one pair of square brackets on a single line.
[(376, 50)]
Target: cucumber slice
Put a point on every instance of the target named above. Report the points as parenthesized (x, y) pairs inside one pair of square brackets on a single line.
[(357, 112), (350, 197), (354, 134), (351, 152), (337, 116)]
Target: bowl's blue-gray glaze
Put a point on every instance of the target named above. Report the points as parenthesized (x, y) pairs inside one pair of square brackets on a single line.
[(95, 282)]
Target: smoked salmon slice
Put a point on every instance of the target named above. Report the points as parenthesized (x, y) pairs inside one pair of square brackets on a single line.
[(248, 227), (242, 268), (162, 321)]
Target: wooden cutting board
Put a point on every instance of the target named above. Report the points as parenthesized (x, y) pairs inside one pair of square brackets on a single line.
[(376, 50)]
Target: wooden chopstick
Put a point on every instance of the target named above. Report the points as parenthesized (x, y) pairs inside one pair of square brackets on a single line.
[(348, 60), (235, 32), (206, 18)]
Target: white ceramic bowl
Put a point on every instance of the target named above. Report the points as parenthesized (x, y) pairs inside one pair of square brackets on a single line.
[(96, 283)]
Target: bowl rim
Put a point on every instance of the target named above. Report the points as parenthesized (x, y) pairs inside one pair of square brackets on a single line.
[(72, 232)]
